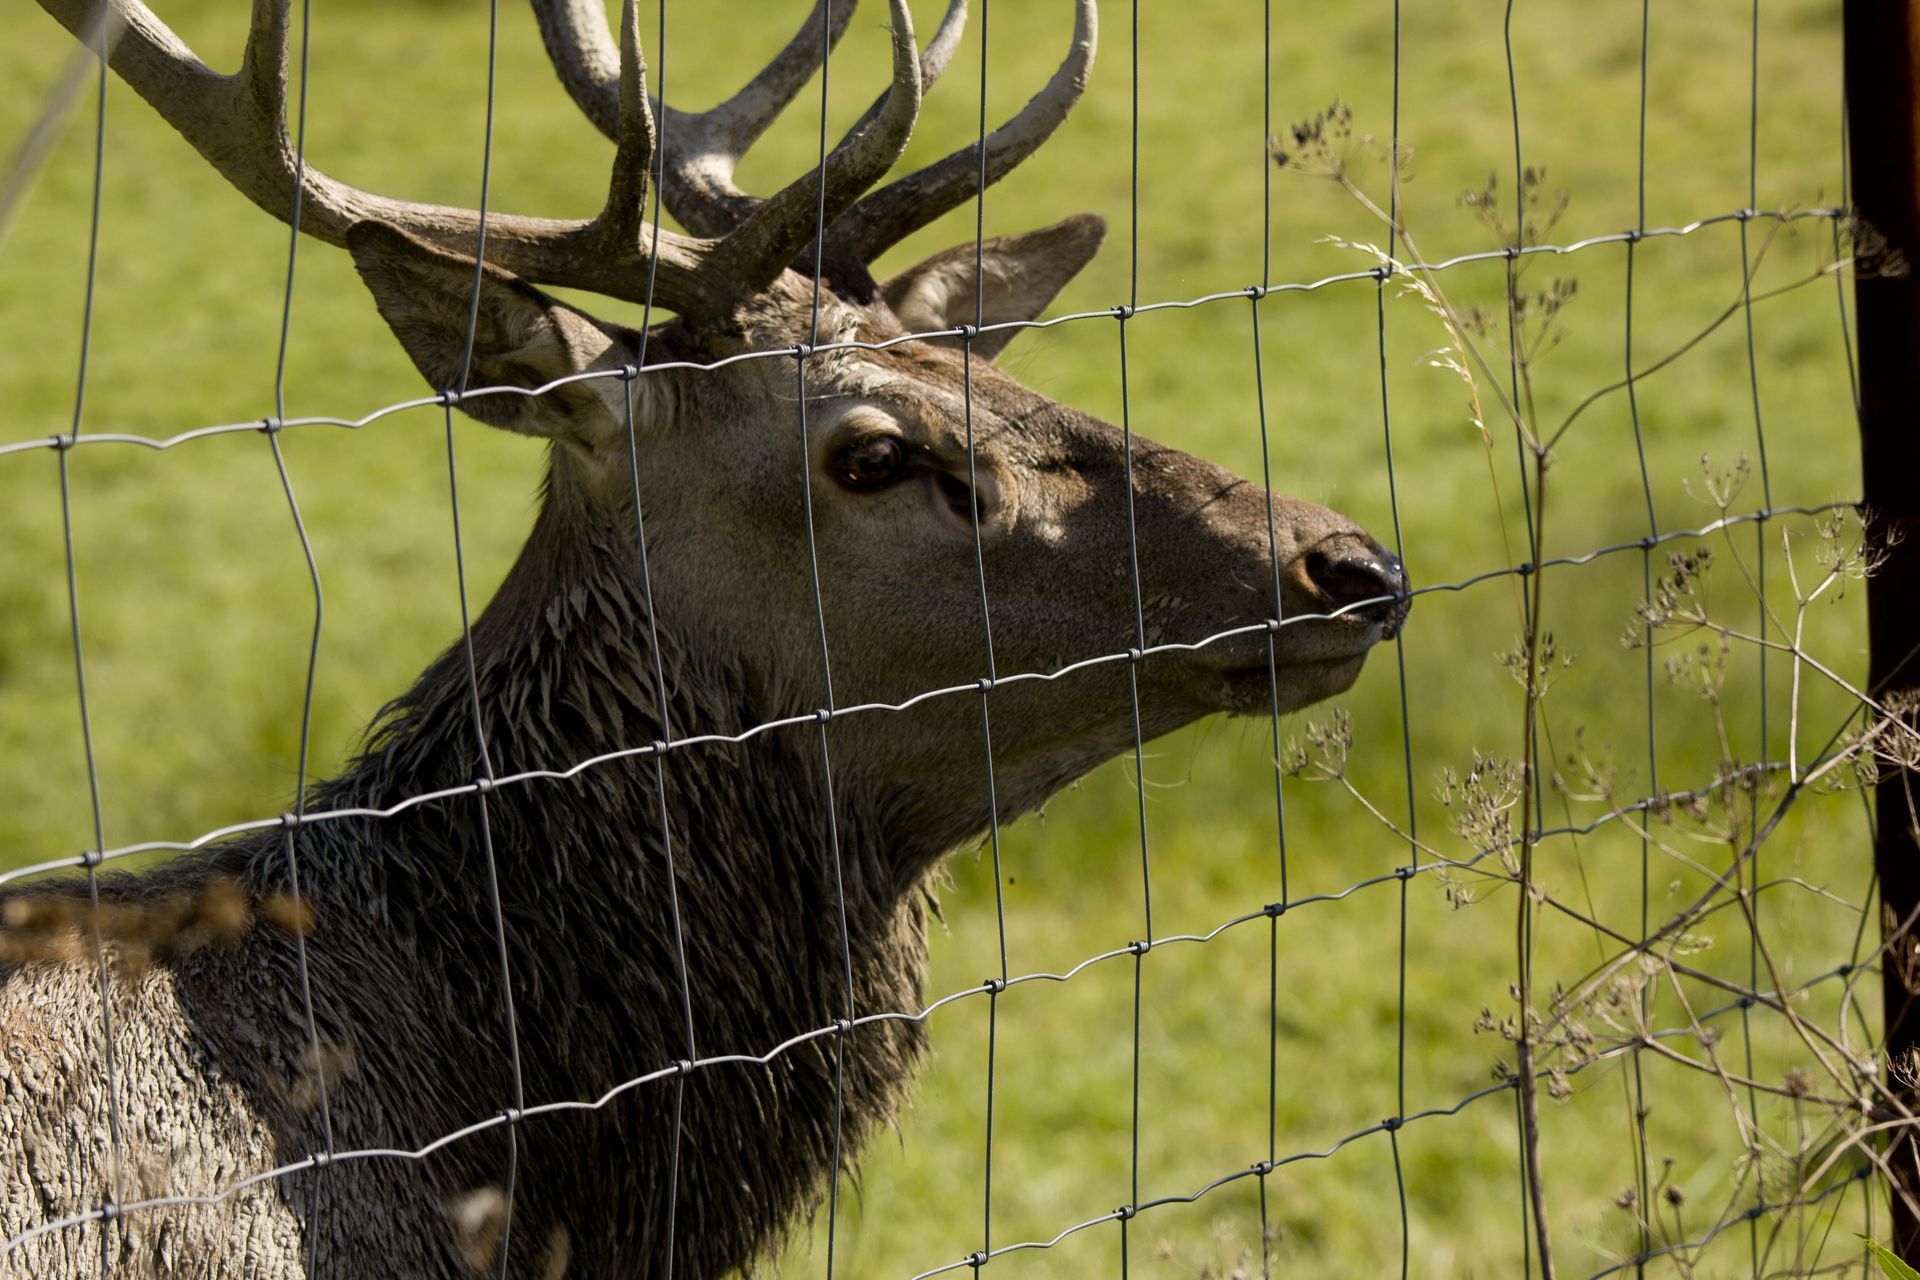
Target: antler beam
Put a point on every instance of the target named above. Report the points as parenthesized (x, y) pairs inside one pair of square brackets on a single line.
[(238, 123)]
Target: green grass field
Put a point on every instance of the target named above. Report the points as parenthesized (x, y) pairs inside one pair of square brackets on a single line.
[(196, 606)]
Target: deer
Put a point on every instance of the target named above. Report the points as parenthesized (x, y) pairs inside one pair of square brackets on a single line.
[(469, 983)]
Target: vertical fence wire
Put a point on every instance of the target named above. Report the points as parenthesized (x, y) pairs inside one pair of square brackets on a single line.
[(63, 452), (1867, 1200), (1751, 874), (1137, 653), (1636, 1088), (997, 984), (1385, 275), (486, 780), (317, 1065), (631, 385), (802, 354), (1531, 508), (1255, 295)]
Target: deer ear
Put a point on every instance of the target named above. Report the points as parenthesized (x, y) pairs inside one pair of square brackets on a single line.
[(1021, 273), (521, 337)]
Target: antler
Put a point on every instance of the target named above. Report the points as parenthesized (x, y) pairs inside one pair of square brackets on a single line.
[(238, 123), (700, 151), (885, 217)]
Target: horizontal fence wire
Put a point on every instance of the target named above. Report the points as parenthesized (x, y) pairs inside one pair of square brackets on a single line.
[(307, 817), (660, 751), (685, 1067), (67, 440)]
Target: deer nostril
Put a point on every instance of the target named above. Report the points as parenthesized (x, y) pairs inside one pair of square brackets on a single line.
[(1347, 579)]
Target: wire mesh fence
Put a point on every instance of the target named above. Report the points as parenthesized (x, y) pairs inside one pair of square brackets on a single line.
[(1615, 838)]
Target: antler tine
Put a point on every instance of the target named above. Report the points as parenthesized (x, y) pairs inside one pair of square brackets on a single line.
[(704, 149), (701, 148), (737, 123), (933, 60), (780, 228), (885, 217), (238, 123), (587, 60), (624, 216), (940, 50)]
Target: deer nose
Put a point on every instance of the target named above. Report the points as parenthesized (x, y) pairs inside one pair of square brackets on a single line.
[(1362, 570)]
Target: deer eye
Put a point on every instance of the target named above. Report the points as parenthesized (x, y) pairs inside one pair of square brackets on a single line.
[(872, 462)]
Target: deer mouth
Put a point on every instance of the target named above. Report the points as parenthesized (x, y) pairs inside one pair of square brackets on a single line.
[(1251, 674), (1261, 687)]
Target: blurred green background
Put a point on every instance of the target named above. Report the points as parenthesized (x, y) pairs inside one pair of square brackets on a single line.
[(196, 605)]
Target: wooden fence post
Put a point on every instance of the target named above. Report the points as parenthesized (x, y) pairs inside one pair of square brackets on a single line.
[(1881, 79)]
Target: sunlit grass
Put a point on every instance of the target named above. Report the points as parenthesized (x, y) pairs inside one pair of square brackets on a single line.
[(196, 608)]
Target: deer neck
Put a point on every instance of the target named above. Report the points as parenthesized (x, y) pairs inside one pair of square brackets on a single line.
[(564, 665)]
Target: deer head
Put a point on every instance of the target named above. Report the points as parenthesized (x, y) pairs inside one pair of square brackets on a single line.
[(913, 469)]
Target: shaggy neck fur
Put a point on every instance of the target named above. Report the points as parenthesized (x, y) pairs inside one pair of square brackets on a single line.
[(405, 968)]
